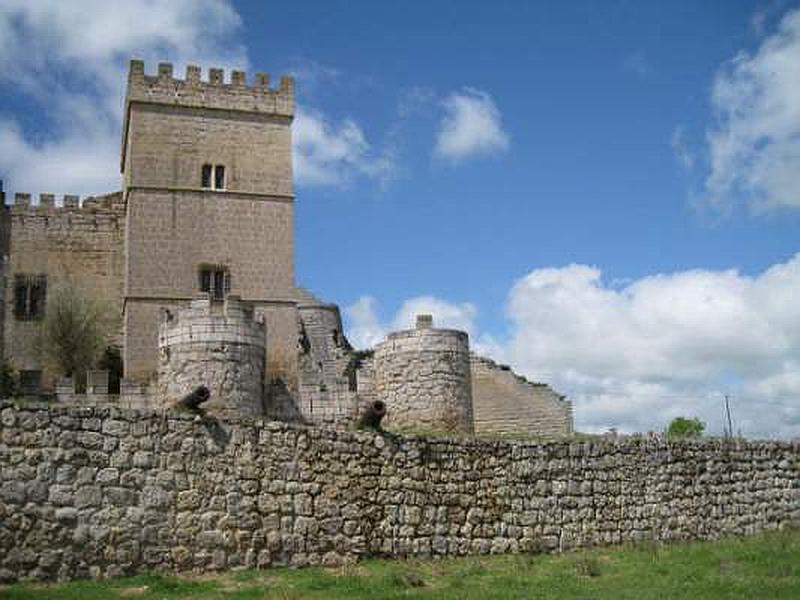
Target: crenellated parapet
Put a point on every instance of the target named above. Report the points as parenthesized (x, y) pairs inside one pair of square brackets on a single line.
[(214, 92), (27, 202), (68, 218)]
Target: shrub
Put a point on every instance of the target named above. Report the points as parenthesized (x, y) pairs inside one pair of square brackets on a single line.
[(77, 328), (681, 427)]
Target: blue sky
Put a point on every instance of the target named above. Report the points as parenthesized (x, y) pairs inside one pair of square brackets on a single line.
[(605, 195)]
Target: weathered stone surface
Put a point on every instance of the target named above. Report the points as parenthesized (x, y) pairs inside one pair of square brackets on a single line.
[(219, 347), (423, 376), (504, 402), (257, 493)]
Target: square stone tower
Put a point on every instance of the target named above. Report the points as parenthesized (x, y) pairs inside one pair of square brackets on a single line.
[(207, 180)]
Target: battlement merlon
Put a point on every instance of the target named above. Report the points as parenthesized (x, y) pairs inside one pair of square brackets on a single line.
[(23, 202), (193, 91), (214, 94)]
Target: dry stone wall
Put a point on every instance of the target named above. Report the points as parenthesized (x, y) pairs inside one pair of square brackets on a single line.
[(423, 376), (103, 492)]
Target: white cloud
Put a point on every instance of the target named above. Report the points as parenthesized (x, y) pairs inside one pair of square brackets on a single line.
[(633, 357), (754, 148), (445, 314), (69, 61), (71, 58), (471, 126), (664, 345), (332, 154), (366, 329)]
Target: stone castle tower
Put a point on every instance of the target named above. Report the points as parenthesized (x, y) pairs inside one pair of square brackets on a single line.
[(207, 182)]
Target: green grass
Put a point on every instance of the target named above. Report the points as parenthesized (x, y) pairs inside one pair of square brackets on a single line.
[(765, 566)]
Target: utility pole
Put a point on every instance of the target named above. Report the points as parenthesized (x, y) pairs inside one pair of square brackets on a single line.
[(728, 412)]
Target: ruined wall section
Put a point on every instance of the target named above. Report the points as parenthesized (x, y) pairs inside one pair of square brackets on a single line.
[(106, 492), (506, 403), (72, 241), (218, 345), (326, 364), (423, 376)]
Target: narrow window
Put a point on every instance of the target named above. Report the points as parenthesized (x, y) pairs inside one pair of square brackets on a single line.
[(219, 177), (205, 280), (206, 176), (30, 296), (20, 296), (38, 295), (216, 281), (219, 285)]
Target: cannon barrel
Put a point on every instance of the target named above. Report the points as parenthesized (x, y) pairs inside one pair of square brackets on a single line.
[(371, 415), (195, 398)]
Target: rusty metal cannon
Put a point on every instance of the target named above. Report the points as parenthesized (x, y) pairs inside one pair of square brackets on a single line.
[(371, 415), (195, 398)]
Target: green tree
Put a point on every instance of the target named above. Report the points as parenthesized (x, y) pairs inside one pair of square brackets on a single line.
[(682, 427), (77, 328)]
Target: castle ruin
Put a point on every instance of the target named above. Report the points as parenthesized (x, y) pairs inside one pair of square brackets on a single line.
[(196, 256)]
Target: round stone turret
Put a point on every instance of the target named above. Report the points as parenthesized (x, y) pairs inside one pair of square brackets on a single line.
[(217, 344), (423, 377)]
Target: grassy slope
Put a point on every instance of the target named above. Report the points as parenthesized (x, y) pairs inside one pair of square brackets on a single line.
[(766, 566)]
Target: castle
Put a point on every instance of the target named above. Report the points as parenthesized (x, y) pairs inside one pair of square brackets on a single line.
[(196, 254)]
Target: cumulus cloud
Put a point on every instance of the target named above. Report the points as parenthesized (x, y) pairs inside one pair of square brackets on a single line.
[(471, 126), (754, 146), (634, 356), (330, 153), (664, 345), (68, 60), (366, 328)]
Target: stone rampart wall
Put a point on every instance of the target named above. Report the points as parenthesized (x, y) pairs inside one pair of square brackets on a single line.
[(103, 491)]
